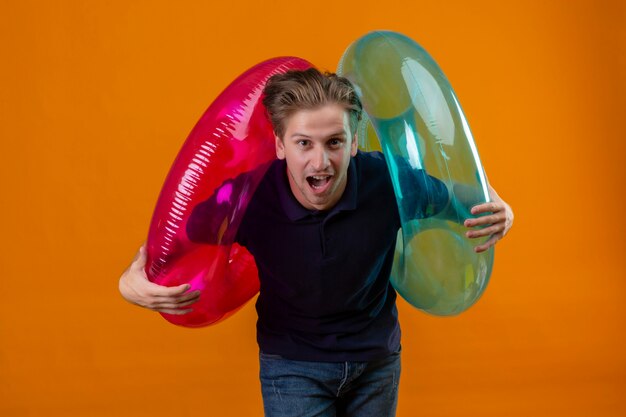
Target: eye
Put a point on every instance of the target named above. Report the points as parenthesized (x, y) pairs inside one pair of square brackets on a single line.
[(335, 142), (303, 142)]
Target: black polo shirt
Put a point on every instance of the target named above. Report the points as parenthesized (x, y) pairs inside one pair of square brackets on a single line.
[(325, 290)]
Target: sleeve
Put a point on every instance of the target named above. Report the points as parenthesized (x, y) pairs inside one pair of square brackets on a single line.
[(422, 195), (211, 220)]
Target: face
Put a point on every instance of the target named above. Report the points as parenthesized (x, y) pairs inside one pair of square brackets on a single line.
[(317, 146)]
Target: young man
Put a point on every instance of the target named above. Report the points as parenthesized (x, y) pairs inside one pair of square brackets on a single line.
[(322, 227)]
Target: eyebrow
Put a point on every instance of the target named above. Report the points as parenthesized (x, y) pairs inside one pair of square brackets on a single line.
[(302, 135)]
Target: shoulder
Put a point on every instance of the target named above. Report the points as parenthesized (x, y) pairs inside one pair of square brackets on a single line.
[(371, 165), (267, 194), (372, 174), (371, 162), (272, 177), (372, 157)]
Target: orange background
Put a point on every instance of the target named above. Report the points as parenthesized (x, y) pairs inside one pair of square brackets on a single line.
[(98, 96)]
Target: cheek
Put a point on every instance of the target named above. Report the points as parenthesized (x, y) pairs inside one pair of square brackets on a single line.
[(345, 160), (296, 166)]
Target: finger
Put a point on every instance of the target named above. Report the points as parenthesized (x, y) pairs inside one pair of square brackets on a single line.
[(154, 303), (175, 312), (483, 247), (187, 299), (491, 206), (481, 221), (187, 303), (170, 304), (156, 290), (189, 296), (487, 231), (139, 262), (485, 220)]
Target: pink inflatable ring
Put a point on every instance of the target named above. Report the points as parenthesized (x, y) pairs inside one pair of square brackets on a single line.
[(233, 136)]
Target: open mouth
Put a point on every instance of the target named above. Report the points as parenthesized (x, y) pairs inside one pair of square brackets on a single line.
[(318, 182)]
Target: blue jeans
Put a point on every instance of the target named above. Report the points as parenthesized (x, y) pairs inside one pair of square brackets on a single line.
[(329, 389)]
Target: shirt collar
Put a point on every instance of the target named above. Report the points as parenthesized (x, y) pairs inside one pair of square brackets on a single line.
[(295, 211)]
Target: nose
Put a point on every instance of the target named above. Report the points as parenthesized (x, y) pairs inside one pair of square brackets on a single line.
[(320, 159)]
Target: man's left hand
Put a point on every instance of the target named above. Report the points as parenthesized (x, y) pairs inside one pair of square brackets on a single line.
[(496, 224)]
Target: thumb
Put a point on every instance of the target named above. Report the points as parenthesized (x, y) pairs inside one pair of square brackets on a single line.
[(141, 257), (142, 251)]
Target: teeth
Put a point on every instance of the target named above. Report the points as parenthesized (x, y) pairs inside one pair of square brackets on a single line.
[(318, 181)]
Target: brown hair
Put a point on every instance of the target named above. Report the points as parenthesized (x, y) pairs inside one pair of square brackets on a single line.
[(292, 91)]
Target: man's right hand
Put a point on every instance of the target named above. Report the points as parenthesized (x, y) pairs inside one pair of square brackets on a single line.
[(137, 289)]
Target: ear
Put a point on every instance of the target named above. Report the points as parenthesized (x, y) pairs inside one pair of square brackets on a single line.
[(354, 146), (280, 147)]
